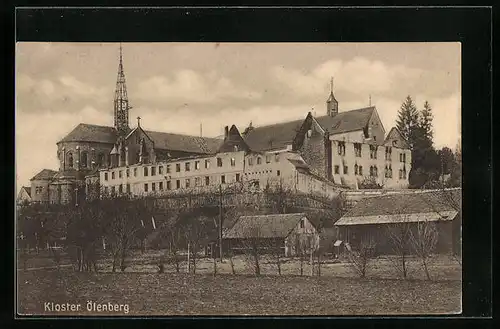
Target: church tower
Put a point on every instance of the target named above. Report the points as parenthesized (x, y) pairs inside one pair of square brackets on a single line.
[(332, 106), (121, 101)]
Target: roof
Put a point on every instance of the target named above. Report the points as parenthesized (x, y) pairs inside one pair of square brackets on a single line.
[(264, 226), (91, 133), (299, 163), (186, 143), (346, 121), (425, 205), (45, 174), (395, 135), (275, 136), (233, 140), (27, 189)]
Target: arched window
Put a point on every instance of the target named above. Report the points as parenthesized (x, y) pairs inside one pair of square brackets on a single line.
[(83, 160), (70, 160), (100, 159)]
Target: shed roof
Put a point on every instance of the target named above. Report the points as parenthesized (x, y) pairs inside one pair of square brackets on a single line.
[(416, 206), (264, 226)]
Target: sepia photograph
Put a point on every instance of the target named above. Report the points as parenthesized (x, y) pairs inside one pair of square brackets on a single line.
[(238, 179)]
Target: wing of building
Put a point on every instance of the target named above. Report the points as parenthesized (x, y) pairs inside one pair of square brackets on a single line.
[(315, 154)]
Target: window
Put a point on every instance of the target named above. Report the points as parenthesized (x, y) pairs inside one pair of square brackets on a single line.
[(237, 177), (345, 170), (386, 172), (197, 165), (388, 153), (356, 171), (105, 176), (373, 171), (84, 160), (100, 160), (278, 173), (178, 183), (302, 223), (341, 148), (373, 151), (207, 164), (277, 157), (402, 157), (197, 181), (235, 148), (390, 171), (112, 175), (160, 186), (153, 171), (135, 172), (120, 188), (360, 170), (168, 169), (250, 161), (404, 172), (127, 172), (153, 186), (207, 180), (177, 167), (106, 190), (337, 170), (145, 171), (113, 190), (169, 185), (120, 174), (39, 189), (219, 162), (128, 188), (145, 187), (187, 166), (70, 160), (188, 183), (357, 150), (223, 179), (233, 162), (259, 160), (268, 159), (160, 170)]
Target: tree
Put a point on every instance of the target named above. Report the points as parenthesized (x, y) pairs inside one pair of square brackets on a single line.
[(407, 120), (399, 239), (359, 259), (424, 241), (426, 123)]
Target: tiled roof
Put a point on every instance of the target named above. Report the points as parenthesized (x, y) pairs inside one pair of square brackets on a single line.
[(164, 141), (346, 121), (91, 133), (45, 174), (186, 143), (276, 136), (264, 226), (409, 205)]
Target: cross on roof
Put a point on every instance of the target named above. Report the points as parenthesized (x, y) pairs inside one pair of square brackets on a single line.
[(138, 121)]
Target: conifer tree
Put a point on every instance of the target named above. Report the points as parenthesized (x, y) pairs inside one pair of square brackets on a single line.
[(407, 120)]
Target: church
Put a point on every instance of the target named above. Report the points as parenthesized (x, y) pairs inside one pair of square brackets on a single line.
[(338, 150)]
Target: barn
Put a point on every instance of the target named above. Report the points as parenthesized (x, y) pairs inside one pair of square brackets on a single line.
[(287, 234), (381, 221)]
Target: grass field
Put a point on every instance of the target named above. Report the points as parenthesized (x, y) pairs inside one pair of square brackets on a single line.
[(184, 294)]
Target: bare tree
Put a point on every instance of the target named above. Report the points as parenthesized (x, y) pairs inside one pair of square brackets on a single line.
[(399, 238), (359, 259), (252, 247), (424, 240)]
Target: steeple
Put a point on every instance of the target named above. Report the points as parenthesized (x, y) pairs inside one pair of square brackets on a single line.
[(121, 100), (332, 106)]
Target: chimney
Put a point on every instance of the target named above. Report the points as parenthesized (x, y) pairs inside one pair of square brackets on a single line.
[(226, 132)]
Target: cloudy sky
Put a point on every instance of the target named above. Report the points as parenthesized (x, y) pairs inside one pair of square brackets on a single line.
[(175, 87)]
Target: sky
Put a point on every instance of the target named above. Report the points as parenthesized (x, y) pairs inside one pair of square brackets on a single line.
[(176, 87)]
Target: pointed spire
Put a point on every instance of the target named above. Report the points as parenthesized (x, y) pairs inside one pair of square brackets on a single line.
[(332, 106), (121, 105), (331, 85), (370, 100)]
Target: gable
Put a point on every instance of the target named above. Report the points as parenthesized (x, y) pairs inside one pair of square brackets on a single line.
[(395, 139), (233, 142)]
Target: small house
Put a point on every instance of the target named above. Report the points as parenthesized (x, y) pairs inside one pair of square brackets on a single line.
[(288, 234)]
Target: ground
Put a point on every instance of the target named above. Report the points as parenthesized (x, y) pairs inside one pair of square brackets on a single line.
[(337, 291)]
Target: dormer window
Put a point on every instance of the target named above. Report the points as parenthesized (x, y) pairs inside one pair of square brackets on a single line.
[(309, 133)]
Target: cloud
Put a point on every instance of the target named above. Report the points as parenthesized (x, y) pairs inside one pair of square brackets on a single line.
[(362, 75), (38, 133), (190, 86)]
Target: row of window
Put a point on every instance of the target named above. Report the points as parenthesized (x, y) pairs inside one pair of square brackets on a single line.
[(70, 163), (268, 159), (373, 151), (358, 170)]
